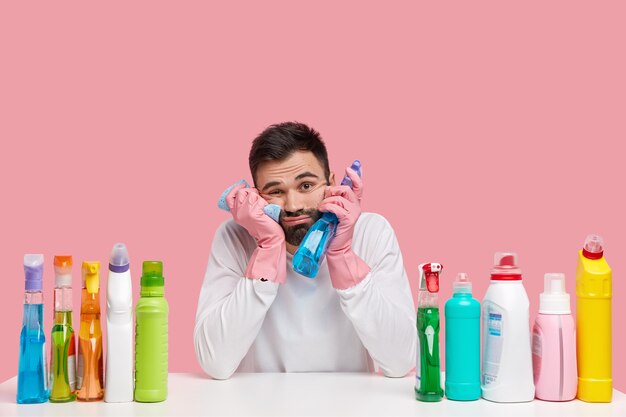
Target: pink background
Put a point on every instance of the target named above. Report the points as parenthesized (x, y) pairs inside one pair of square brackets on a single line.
[(481, 126)]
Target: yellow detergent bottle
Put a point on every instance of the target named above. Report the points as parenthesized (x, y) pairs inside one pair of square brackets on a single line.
[(593, 320)]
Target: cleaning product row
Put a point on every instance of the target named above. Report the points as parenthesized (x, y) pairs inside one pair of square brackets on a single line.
[(462, 315), (558, 361), (82, 378)]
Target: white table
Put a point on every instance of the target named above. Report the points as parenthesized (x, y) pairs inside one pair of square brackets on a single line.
[(334, 394)]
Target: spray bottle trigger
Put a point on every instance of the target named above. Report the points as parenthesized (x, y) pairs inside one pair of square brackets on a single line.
[(432, 282)]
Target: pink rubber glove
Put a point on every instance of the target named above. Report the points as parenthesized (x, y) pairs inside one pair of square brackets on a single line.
[(345, 267), (268, 262)]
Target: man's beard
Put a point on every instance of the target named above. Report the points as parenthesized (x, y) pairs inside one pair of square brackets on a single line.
[(295, 234)]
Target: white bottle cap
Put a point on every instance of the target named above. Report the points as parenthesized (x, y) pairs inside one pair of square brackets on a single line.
[(554, 299), (462, 285)]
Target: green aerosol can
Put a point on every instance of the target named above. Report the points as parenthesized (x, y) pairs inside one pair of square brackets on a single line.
[(151, 354)]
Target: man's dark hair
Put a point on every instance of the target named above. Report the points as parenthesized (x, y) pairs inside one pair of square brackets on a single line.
[(280, 141)]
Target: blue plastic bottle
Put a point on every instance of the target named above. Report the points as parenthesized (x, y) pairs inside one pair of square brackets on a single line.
[(32, 374), (462, 313), (310, 253)]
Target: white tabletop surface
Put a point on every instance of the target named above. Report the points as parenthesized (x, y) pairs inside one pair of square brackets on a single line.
[(308, 394)]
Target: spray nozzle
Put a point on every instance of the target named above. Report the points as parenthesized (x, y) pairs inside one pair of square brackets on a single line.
[(63, 271), (593, 247), (91, 276), (356, 166), (33, 269), (63, 264), (429, 276)]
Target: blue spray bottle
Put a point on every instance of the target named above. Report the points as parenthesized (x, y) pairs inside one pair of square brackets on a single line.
[(462, 313), (32, 374), (310, 253)]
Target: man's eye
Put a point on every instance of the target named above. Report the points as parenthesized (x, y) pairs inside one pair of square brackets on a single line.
[(307, 186), (275, 192)]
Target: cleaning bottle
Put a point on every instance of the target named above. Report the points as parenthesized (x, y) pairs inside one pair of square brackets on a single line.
[(554, 343), (63, 358), (119, 363), (32, 373), (507, 373), (462, 342), (310, 253), (593, 319), (428, 370), (89, 372), (151, 336)]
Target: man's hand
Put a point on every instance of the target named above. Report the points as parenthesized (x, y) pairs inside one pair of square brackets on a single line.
[(345, 203), (268, 260), (246, 206), (345, 267)]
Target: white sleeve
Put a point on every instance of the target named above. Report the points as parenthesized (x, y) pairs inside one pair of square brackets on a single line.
[(231, 308), (381, 307)]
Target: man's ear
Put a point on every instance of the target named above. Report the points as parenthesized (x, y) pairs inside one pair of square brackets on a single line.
[(331, 179)]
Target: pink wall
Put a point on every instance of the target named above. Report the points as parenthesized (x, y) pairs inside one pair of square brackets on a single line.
[(481, 127)]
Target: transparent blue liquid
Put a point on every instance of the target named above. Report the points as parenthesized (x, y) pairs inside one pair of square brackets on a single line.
[(310, 253), (31, 376)]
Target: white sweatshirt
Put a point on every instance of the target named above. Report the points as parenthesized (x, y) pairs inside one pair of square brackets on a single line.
[(305, 325)]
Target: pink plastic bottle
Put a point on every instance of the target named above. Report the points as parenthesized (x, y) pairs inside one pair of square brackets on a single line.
[(554, 343)]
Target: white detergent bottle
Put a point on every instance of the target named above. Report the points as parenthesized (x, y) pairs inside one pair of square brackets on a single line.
[(507, 373), (120, 357)]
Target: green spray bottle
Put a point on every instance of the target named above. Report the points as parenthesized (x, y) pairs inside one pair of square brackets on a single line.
[(427, 370), (151, 336)]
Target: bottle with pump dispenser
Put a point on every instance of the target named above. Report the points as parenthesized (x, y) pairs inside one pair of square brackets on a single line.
[(507, 372), (428, 369), (63, 341), (32, 373), (89, 369), (151, 340), (120, 360), (554, 343), (593, 319), (462, 313)]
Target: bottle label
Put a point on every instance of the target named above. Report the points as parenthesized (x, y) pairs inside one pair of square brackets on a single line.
[(71, 363), (45, 365), (493, 344), (71, 371), (537, 345), (80, 368), (51, 374), (418, 380)]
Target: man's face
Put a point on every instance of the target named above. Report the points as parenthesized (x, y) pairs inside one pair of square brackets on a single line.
[(297, 185)]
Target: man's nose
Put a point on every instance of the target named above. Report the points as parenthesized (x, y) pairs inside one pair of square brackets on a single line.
[(293, 202)]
